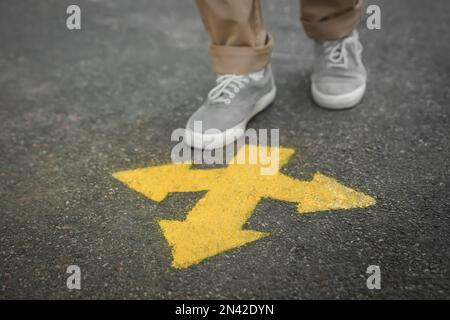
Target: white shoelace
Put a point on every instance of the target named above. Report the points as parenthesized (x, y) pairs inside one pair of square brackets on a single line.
[(227, 87), (337, 54)]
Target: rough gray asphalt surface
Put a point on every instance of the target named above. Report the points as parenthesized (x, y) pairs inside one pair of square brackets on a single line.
[(77, 106)]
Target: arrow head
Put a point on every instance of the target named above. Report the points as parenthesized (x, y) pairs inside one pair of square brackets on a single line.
[(324, 193), (154, 182), (192, 243)]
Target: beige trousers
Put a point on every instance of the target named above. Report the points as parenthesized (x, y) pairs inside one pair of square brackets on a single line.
[(239, 42)]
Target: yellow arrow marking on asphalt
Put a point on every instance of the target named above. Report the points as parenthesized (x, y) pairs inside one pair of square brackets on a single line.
[(215, 223)]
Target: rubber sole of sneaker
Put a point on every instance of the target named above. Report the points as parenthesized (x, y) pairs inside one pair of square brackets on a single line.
[(214, 141), (338, 102)]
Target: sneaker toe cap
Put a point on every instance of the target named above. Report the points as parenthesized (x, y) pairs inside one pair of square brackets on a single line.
[(206, 119), (334, 86), (338, 86)]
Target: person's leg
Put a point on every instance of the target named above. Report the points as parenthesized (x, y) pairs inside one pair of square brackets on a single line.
[(330, 19), (338, 79), (239, 43), (240, 53)]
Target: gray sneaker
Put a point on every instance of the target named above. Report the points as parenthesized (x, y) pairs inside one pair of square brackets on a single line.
[(338, 80), (236, 99)]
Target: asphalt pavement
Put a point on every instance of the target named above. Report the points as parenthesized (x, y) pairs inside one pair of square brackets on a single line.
[(76, 106)]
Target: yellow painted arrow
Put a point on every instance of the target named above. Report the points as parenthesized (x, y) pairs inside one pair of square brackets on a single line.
[(215, 223)]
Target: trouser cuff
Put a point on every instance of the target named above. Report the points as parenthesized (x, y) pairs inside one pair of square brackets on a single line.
[(334, 28), (240, 60)]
